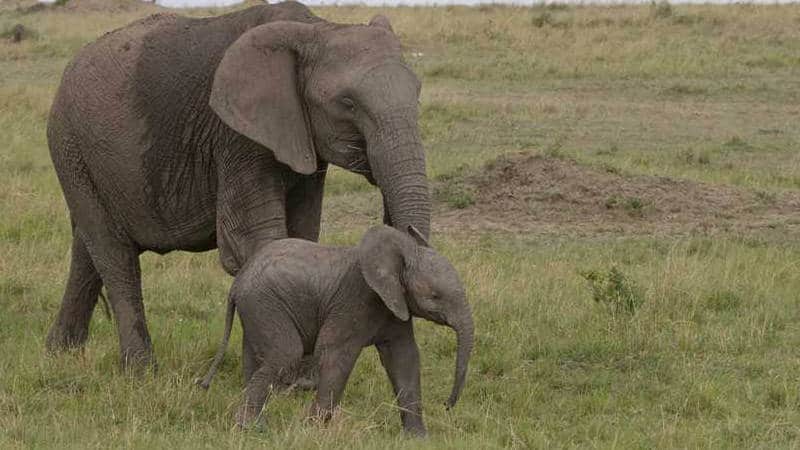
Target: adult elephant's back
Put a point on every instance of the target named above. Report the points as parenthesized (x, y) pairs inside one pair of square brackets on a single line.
[(132, 115)]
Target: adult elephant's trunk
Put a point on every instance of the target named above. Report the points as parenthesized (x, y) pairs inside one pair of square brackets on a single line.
[(465, 331), (397, 161)]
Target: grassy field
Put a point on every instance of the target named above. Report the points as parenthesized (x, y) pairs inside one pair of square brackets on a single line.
[(681, 338)]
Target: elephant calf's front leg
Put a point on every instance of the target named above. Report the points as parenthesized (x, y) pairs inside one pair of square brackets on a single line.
[(335, 365), (400, 357)]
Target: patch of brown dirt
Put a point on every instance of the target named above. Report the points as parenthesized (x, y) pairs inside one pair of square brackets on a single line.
[(112, 6), (534, 193), (106, 5)]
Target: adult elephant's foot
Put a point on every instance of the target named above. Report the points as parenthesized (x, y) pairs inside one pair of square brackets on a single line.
[(138, 361), (305, 384), (417, 431), (308, 374), (249, 417), (139, 365), (62, 338)]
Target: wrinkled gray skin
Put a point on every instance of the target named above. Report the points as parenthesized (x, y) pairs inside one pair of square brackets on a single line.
[(296, 297), (192, 134)]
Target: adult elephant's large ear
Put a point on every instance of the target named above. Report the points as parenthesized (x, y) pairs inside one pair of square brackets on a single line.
[(381, 256), (256, 92)]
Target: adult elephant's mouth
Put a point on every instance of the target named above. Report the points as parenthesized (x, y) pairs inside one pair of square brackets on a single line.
[(358, 161)]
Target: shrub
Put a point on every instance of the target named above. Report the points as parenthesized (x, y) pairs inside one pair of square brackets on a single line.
[(634, 206), (18, 33), (612, 289), (660, 10), (456, 195), (453, 189)]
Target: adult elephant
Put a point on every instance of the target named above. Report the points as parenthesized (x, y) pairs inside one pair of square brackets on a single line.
[(189, 134)]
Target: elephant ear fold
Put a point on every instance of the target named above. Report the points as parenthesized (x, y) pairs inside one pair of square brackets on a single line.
[(256, 92), (381, 258)]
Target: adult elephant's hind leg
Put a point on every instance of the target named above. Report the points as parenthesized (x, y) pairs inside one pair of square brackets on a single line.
[(106, 248), (118, 265), (71, 327)]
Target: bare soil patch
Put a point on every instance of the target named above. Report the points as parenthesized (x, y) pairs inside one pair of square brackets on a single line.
[(106, 5), (536, 193), (110, 6)]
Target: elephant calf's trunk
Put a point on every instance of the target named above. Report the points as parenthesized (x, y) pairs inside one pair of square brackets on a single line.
[(465, 336)]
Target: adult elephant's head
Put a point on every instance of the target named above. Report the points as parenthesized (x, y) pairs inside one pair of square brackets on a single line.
[(336, 93)]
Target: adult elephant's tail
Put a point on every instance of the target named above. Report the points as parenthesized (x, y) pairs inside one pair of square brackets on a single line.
[(223, 346)]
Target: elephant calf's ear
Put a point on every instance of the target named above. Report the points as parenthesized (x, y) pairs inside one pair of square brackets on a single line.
[(380, 256), (255, 92)]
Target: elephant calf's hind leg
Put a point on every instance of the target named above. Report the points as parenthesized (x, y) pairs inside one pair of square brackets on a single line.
[(278, 369), (276, 346), (71, 328)]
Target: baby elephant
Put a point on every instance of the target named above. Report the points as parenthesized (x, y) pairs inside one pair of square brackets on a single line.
[(297, 297)]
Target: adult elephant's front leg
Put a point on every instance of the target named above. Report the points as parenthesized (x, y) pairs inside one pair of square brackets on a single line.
[(304, 206), (251, 204), (303, 217)]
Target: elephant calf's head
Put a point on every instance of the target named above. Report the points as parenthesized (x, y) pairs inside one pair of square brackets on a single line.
[(412, 278), (337, 93)]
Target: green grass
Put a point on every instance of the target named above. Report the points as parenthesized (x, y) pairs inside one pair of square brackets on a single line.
[(707, 357)]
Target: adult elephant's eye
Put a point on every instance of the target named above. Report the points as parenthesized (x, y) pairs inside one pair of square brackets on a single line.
[(348, 103)]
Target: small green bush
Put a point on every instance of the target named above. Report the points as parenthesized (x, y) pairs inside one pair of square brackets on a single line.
[(660, 10), (614, 290), (688, 156), (541, 19), (18, 33), (453, 190), (547, 19), (634, 205), (457, 196)]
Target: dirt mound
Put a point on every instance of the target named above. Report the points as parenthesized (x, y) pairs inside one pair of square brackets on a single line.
[(112, 6), (105, 5), (537, 193)]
